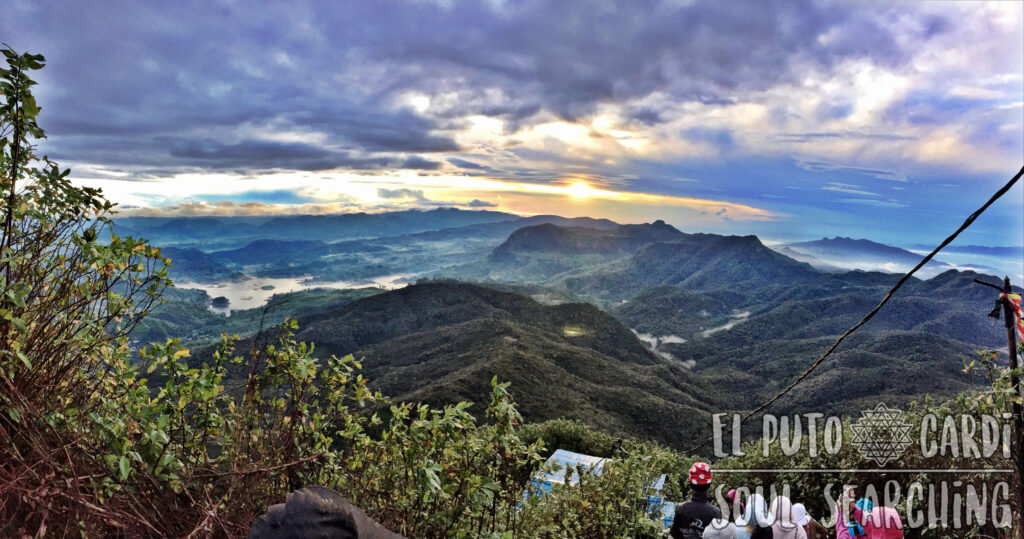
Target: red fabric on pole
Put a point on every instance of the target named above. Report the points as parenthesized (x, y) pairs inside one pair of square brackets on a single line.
[(1018, 313)]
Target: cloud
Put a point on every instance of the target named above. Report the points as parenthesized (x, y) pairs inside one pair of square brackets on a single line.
[(646, 116), (823, 166), (412, 194), (415, 162), (255, 154), (536, 92), (891, 203), (227, 70), (228, 208), (462, 163), (418, 198), (847, 188), (846, 135)]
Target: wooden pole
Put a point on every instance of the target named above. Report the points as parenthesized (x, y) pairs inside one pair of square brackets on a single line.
[(1017, 443), (1017, 446)]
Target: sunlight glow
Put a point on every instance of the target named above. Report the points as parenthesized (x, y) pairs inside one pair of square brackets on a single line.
[(350, 192), (582, 190)]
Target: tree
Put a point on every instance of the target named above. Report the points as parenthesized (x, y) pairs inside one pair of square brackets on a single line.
[(70, 292)]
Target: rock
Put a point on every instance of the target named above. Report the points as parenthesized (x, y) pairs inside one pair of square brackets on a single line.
[(317, 512)]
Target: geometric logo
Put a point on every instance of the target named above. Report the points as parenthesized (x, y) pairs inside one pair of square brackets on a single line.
[(881, 434)]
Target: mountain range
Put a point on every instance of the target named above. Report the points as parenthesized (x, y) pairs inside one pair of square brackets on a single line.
[(638, 330)]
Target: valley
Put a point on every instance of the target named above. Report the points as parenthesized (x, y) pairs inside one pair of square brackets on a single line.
[(637, 330)]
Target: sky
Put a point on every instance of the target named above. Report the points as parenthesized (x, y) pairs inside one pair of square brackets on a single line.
[(788, 119)]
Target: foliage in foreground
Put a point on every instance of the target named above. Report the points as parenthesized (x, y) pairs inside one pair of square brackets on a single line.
[(201, 458)]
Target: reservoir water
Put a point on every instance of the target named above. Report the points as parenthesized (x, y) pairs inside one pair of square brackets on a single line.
[(254, 292)]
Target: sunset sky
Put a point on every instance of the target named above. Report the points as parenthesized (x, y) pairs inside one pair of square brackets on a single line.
[(890, 121)]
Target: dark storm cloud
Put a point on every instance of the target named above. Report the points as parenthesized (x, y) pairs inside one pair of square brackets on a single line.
[(416, 162), (124, 74), (375, 130), (646, 116), (143, 157), (255, 153), (573, 55), (464, 164)]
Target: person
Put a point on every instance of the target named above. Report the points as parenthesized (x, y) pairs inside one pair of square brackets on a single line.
[(735, 506), (812, 527), (720, 529), (695, 515), (865, 505), (783, 526), (757, 519), (317, 512), (872, 523), (884, 523), (848, 527)]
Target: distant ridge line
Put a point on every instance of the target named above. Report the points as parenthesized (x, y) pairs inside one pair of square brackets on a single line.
[(967, 223)]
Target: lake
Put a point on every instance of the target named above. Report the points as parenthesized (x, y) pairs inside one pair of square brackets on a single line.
[(254, 292)]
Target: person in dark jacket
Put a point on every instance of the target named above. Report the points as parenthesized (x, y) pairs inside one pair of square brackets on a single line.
[(317, 512), (695, 515)]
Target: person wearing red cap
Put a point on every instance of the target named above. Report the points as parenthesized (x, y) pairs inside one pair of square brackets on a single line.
[(695, 515)]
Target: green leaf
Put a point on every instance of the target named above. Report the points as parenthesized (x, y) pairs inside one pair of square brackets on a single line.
[(29, 106), (24, 359), (124, 467)]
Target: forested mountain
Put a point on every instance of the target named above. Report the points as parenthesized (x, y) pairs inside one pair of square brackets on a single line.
[(562, 240), (542, 253), (442, 342)]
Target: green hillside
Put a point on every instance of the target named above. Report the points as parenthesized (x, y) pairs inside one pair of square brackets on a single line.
[(442, 342)]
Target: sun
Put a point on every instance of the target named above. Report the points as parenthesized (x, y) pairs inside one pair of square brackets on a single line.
[(581, 190)]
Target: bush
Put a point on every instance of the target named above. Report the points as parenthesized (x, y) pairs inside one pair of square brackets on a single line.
[(572, 435), (67, 304)]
